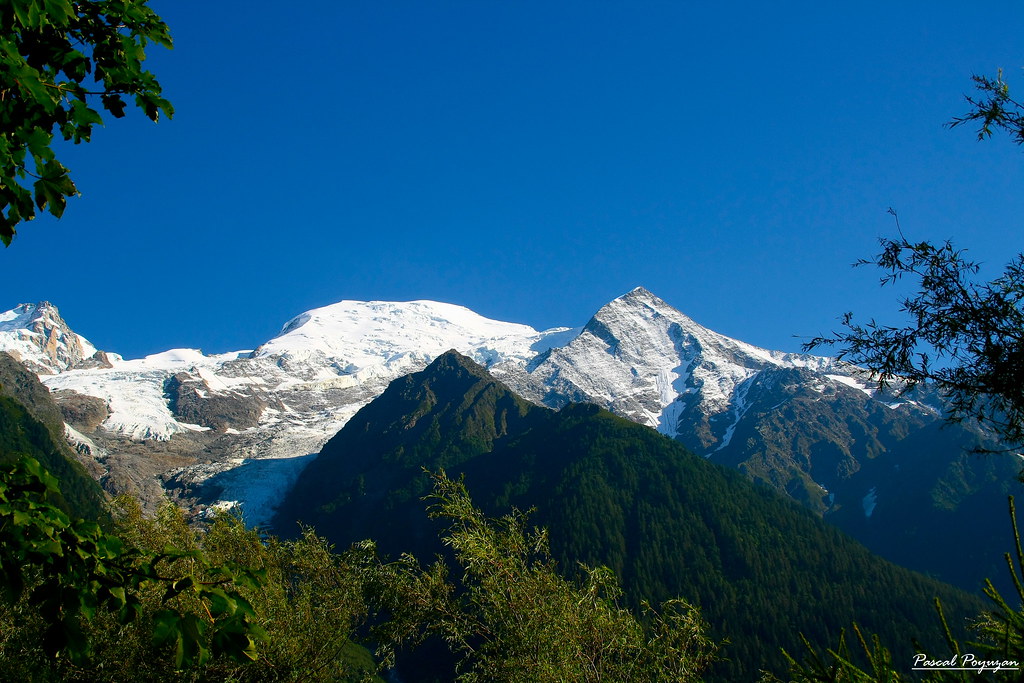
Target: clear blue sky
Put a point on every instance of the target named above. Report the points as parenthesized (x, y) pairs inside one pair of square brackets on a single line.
[(529, 160)]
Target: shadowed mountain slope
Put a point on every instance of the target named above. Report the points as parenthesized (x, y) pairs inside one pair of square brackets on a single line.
[(31, 424)]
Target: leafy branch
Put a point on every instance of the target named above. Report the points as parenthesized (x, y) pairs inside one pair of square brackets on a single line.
[(964, 336), (995, 109), (69, 570), (42, 71)]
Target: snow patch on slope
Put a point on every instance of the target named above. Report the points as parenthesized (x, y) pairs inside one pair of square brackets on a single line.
[(870, 501), (134, 390)]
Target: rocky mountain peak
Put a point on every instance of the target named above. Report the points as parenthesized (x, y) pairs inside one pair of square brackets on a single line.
[(36, 335), (639, 327), (637, 302), (638, 296)]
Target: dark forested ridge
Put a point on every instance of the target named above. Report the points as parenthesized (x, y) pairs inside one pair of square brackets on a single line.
[(31, 424), (612, 492)]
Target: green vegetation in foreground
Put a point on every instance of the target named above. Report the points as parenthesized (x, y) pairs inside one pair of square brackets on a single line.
[(232, 604), (162, 601)]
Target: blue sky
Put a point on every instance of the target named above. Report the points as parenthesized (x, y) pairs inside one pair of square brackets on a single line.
[(529, 160)]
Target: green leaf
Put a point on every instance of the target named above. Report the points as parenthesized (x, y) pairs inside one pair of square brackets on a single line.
[(21, 12), (166, 626), (22, 518), (237, 639), (176, 587), (49, 197), (112, 547), (114, 104), (190, 648), (87, 603), (59, 12), (39, 144), (130, 610), (117, 596), (83, 115), (220, 603), (47, 546)]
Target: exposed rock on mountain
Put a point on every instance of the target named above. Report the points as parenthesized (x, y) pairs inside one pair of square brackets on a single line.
[(193, 401), (81, 412), (36, 335)]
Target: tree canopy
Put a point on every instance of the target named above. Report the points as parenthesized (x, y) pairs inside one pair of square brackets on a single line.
[(49, 49)]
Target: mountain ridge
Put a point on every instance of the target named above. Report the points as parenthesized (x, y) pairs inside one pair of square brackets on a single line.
[(236, 429)]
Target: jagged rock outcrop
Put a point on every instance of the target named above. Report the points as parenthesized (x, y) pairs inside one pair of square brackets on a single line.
[(84, 413), (37, 336), (193, 401)]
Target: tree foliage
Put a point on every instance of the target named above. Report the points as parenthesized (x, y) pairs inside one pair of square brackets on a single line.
[(964, 335), (994, 110), (61, 62), (509, 616), (163, 601), (65, 572), (309, 601)]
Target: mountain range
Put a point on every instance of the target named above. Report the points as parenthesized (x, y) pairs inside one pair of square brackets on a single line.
[(237, 428), (611, 493)]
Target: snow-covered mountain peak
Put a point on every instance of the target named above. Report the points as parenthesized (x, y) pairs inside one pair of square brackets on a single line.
[(638, 302), (36, 335), (621, 315), (356, 335), (638, 296), (641, 330), (642, 358)]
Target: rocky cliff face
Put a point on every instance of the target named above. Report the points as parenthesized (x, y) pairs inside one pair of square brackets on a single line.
[(36, 335)]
